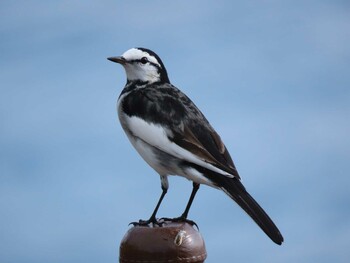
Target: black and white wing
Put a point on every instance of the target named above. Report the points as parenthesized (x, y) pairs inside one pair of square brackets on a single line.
[(164, 117)]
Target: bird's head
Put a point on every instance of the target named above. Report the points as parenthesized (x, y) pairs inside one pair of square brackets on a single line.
[(142, 65)]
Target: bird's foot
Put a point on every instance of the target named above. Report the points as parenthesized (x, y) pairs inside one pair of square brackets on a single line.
[(148, 222), (180, 219)]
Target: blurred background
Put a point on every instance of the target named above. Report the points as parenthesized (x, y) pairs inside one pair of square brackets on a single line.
[(271, 76)]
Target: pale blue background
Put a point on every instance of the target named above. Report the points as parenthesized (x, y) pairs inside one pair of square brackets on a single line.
[(272, 77)]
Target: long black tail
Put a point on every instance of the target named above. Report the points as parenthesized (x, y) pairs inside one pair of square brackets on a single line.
[(235, 189)]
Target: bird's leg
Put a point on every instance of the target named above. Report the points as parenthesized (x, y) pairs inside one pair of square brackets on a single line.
[(183, 217), (153, 216), (188, 206), (152, 219)]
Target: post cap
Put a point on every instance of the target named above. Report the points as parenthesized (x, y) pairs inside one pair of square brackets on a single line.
[(171, 242)]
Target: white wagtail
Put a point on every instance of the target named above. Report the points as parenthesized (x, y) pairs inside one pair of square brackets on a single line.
[(174, 138)]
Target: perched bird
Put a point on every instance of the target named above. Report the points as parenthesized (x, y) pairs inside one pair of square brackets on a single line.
[(174, 138)]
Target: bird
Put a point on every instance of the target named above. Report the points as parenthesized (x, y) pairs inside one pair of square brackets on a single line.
[(174, 137)]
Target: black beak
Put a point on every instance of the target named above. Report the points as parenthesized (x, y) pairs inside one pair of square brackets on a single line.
[(119, 60)]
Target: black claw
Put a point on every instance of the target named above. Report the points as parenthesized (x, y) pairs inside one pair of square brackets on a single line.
[(152, 221)]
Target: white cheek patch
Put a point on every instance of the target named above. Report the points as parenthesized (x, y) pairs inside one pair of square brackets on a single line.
[(137, 71), (146, 73)]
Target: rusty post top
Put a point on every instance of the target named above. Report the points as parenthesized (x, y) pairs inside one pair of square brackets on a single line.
[(172, 242)]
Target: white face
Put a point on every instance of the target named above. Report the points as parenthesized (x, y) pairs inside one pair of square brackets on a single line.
[(141, 66)]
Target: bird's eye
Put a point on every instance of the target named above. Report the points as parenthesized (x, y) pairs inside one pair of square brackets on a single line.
[(144, 60)]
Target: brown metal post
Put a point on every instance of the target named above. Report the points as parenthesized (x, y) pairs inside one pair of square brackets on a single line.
[(171, 242)]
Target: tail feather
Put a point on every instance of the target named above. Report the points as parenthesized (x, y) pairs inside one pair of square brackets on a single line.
[(235, 189)]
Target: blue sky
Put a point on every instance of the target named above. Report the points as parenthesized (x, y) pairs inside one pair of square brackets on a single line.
[(271, 76)]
